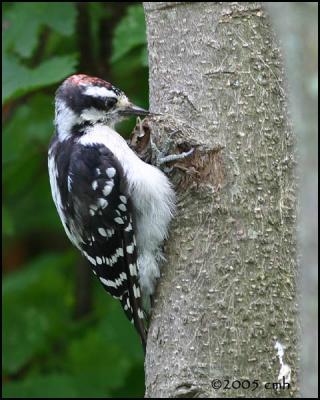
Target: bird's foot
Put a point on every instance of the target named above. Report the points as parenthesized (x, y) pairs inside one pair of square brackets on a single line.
[(160, 157)]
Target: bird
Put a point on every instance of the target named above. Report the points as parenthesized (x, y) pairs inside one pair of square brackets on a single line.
[(114, 207)]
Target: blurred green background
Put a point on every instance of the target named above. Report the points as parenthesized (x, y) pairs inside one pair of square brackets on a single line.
[(63, 335)]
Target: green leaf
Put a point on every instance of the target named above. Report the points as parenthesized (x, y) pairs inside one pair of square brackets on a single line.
[(144, 57), (24, 20), (7, 222), (106, 354), (134, 384), (19, 349), (46, 219), (129, 33), (33, 273), (115, 327), (18, 79), (53, 385), (35, 306), (36, 118)]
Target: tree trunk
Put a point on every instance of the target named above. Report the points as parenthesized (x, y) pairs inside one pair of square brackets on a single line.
[(227, 294)]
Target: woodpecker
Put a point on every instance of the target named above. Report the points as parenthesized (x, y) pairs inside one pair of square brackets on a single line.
[(114, 207)]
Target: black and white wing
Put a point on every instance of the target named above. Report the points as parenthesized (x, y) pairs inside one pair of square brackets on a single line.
[(101, 223)]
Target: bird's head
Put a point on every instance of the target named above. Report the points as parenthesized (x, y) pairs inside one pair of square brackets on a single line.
[(83, 100)]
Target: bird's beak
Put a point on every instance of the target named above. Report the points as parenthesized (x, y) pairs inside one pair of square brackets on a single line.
[(132, 109)]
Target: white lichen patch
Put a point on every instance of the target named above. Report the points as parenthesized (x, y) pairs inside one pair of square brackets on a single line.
[(285, 370)]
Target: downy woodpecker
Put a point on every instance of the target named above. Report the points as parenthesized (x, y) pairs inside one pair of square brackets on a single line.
[(114, 207)]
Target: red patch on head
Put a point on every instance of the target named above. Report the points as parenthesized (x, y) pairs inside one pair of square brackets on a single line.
[(87, 80)]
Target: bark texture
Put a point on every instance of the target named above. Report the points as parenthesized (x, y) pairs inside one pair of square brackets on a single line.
[(227, 293)]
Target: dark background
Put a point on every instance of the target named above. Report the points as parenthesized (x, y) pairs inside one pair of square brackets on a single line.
[(63, 334)]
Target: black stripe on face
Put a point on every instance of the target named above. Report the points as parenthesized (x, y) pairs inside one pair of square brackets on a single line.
[(76, 99)]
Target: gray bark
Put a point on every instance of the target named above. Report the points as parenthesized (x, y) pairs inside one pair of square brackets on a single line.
[(227, 293), (298, 34)]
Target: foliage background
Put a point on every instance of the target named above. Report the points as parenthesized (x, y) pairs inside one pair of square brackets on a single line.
[(63, 335)]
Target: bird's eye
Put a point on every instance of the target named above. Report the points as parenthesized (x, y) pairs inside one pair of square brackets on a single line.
[(111, 101)]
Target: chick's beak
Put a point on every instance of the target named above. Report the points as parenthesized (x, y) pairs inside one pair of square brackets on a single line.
[(132, 109)]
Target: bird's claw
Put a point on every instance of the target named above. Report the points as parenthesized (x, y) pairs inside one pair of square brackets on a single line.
[(161, 157)]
